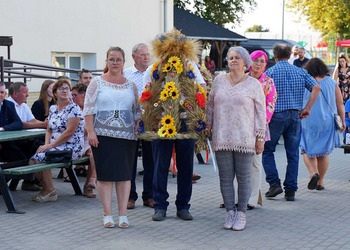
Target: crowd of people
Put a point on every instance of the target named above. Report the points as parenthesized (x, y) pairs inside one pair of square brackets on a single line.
[(248, 110)]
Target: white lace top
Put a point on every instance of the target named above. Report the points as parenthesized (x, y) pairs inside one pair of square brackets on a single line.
[(115, 108)]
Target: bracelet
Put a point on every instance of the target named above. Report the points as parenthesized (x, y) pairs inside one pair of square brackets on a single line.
[(260, 139)]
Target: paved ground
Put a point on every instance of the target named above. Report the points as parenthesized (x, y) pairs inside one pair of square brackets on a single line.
[(316, 220)]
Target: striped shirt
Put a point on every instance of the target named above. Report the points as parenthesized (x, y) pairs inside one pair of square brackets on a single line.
[(290, 82)]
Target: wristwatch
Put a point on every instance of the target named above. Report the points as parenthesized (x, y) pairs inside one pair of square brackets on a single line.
[(2, 129)]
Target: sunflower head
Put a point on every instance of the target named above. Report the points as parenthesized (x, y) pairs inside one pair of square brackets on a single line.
[(167, 121), (179, 68), (174, 94), (174, 60), (167, 67), (162, 132), (164, 95), (169, 85), (170, 131)]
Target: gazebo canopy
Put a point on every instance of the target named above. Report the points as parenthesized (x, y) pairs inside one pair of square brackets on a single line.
[(199, 28), (343, 43)]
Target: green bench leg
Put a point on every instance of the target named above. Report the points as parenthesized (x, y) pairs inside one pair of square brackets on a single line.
[(74, 181), (6, 193)]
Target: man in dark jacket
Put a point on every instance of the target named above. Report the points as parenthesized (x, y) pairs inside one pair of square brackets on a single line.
[(9, 121)]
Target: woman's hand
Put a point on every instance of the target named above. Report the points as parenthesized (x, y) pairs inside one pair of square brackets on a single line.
[(208, 130), (44, 148), (137, 126), (259, 146), (92, 138)]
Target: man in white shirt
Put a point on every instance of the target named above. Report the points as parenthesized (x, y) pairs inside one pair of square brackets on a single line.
[(18, 92), (294, 54), (141, 56)]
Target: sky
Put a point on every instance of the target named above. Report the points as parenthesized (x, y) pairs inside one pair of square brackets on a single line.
[(268, 13)]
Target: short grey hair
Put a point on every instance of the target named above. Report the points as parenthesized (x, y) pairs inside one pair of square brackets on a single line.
[(16, 87), (2, 85), (137, 46), (243, 53)]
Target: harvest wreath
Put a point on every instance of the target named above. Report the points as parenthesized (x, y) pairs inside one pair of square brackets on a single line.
[(173, 95)]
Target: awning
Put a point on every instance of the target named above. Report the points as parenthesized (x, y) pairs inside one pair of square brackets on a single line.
[(321, 44), (344, 43)]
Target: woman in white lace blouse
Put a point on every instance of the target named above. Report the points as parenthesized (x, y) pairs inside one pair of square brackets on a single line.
[(236, 113), (111, 111)]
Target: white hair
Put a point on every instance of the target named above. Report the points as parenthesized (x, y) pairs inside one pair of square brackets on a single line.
[(243, 53)]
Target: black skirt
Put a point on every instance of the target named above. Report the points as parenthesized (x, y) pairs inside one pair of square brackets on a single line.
[(114, 158)]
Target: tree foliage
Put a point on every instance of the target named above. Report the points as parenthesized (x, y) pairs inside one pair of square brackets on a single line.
[(257, 28), (326, 16), (220, 12)]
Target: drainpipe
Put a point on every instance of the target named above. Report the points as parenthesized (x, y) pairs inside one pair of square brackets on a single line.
[(165, 16)]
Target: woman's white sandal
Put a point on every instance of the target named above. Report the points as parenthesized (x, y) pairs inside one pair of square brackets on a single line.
[(108, 220), (122, 220)]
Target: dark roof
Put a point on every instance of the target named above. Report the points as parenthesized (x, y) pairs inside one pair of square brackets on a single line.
[(196, 27)]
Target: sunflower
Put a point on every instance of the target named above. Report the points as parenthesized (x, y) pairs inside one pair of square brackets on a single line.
[(167, 67), (169, 85), (167, 121), (179, 68), (174, 60), (162, 132), (174, 93), (164, 95), (170, 131)]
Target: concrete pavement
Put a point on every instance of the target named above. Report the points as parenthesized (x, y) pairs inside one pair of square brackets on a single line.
[(316, 219)]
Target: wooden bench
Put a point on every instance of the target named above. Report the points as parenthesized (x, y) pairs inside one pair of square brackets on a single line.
[(30, 169)]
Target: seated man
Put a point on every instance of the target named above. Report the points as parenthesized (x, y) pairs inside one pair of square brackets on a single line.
[(18, 92), (78, 96), (9, 121)]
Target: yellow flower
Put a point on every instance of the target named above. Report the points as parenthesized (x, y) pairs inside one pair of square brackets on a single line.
[(202, 91), (179, 68), (167, 121), (191, 68), (164, 95), (181, 102), (155, 66), (167, 67), (162, 132), (174, 93), (170, 131), (169, 85), (174, 60)]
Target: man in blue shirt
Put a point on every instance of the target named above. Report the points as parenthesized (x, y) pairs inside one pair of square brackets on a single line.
[(290, 83), (302, 60)]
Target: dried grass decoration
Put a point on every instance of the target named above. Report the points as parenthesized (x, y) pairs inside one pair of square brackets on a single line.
[(172, 91)]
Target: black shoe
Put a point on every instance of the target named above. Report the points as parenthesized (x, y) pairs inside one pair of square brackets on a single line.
[(289, 195), (184, 214), (319, 187), (313, 182), (159, 215), (274, 190)]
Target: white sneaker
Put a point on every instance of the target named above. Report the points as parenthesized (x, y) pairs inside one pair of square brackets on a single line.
[(240, 222), (230, 220)]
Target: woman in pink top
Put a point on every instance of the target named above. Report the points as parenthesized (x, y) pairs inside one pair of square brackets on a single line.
[(257, 70), (209, 64), (236, 113)]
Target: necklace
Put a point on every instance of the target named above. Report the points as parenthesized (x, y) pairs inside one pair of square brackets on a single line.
[(235, 83)]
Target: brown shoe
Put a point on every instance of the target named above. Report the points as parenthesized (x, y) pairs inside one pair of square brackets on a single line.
[(131, 204), (148, 203)]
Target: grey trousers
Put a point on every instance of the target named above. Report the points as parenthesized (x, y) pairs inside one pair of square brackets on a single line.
[(233, 164)]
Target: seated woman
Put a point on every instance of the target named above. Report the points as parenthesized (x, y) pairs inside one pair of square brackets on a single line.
[(40, 108), (65, 132)]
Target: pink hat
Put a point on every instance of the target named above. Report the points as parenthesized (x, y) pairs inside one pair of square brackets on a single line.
[(256, 54)]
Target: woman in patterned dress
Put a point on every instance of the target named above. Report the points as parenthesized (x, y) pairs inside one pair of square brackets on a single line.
[(65, 131), (342, 76)]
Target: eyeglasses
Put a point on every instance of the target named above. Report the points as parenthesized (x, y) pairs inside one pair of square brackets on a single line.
[(64, 89), (115, 61), (259, 61)]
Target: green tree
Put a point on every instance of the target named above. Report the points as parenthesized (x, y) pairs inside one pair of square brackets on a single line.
[(220, 12), (257, 28), (326, 16)]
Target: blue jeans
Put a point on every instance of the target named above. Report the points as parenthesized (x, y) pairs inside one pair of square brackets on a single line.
[(148, 166), (288, 124), (162, 152)]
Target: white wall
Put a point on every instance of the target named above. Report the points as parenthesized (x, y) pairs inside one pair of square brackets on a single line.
[(40, 27)]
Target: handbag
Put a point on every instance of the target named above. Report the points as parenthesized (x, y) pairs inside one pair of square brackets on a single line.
[(337, 120), (56, 156)]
